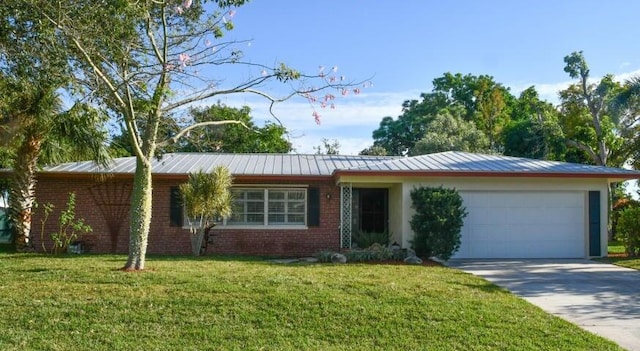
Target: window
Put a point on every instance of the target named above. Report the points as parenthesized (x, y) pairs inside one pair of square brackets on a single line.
[(268, 207)]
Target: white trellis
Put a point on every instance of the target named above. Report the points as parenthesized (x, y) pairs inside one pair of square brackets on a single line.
[(346, 194)]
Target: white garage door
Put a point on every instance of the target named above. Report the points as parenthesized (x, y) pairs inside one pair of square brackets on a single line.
[(523, 225)]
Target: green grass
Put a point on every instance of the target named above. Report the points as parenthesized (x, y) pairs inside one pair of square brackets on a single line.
[(84, 303), (617, 248)]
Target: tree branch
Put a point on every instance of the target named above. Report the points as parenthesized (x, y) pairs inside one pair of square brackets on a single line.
[(186, 130), (585, 148)]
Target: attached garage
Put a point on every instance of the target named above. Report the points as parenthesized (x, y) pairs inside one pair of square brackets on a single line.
[(504, 224), (517, 207)]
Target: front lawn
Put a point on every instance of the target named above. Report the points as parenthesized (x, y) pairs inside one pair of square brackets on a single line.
[(84, 303), (618, 257)]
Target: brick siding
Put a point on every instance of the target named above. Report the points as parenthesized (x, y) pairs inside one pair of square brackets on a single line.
[(91, 196)]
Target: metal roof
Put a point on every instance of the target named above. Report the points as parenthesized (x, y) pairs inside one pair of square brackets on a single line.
[(452, 162), (464, 162), (238, 164)]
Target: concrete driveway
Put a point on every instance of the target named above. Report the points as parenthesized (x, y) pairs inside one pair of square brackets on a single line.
[(601, 298)]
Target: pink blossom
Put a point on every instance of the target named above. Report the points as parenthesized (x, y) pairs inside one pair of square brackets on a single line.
[(207, 42), (344, 92), (264, 72), (186, 4), (184, 59), (332, 79), (329, 97), (356, 91), (316, 117), (309, 97), (232, 13), (178, 10), (333, 106), (335, 69), (323, 104)]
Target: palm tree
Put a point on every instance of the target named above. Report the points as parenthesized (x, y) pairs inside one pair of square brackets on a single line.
[(36, 131), (206, 196)]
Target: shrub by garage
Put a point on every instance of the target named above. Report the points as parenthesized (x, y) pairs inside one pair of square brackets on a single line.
[(437, 222)]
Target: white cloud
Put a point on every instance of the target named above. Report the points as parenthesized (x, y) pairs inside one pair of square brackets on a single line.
[(351, 122), (549, 91)]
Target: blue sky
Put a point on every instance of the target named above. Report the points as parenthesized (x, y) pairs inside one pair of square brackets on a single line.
[(404, 45)]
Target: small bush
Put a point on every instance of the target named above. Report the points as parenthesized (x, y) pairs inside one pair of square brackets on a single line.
[(375, 252), (69, 227), (364, 239), (437, 222), (629, 230), (324, 256)]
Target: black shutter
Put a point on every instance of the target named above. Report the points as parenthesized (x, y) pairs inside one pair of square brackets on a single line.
[(175, 207), (313, 207), (594, 223)]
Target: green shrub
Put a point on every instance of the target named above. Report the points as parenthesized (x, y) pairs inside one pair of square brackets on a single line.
[(375, 252), (69, 227), (364, 239), (437, 222), (629, 230), (324, 256)]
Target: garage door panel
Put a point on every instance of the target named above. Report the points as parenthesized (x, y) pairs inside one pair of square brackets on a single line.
[(523, 225)]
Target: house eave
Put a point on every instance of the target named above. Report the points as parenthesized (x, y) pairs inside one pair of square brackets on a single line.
[(611, 177)]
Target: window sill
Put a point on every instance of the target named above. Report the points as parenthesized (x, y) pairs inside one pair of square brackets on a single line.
[(261, 227)]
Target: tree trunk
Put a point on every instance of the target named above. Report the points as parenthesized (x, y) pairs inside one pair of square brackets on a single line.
[(22, 197), (196, 241), (140, 216)]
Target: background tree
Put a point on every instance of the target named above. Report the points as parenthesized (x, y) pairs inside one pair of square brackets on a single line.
[(374, 150), (533, 130), (233, 138), (206, 197), (157, 59), (448, 132), (35, 132), (627, 106), (484, 102), (34, 128), (328, 147), (589, 111), (230, 138)]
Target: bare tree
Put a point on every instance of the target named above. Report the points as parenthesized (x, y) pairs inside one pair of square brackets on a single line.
[(147, 60)]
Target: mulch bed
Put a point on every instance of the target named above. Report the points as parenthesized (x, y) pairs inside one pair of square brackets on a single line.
[(429, 263)]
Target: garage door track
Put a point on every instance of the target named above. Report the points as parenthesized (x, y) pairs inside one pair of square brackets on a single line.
[(601, 298)]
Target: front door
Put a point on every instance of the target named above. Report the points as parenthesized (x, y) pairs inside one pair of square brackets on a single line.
[(370, 210)]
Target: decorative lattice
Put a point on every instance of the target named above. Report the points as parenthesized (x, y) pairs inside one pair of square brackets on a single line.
[(346, 195), (113, 199)]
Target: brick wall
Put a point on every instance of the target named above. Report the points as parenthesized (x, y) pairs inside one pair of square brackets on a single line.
[(104, 206)]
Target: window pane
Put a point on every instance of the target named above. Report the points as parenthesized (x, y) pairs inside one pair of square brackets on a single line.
[(296, 219), (276, 218), (296, 195), (295, 207), (276, 207), (276, 195), (255, 218), (255, 207), (255, 195)]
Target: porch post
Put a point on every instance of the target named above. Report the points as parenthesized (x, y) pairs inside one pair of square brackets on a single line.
[(345, 215)]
